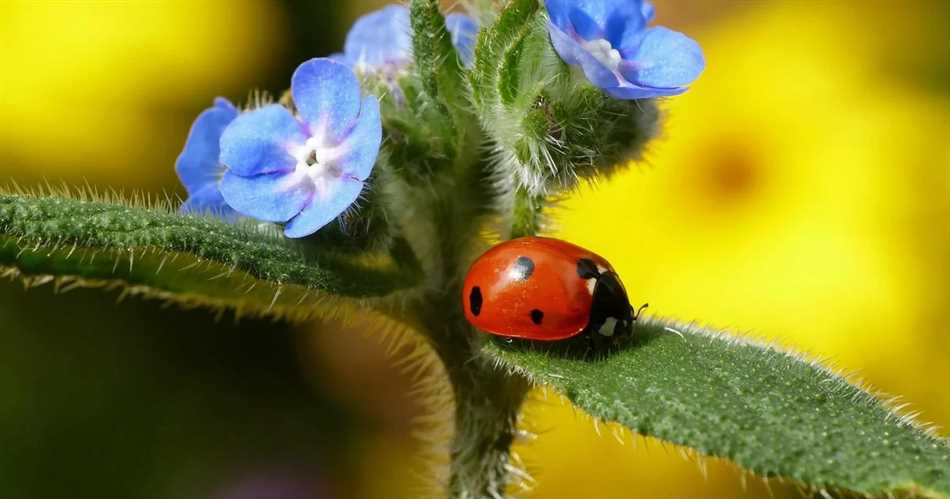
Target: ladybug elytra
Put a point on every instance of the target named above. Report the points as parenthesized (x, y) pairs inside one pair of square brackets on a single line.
[(540, 288)]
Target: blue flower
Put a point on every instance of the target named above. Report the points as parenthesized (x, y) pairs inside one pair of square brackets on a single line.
[(464, 31), (303, 171), (378, 41), (198, 166), (381, 41), (610, 41)]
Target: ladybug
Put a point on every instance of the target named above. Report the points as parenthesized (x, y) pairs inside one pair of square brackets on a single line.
[(545, 289)]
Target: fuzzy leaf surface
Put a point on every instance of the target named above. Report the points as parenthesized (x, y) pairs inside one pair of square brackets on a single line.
[(195, 260), (770, 412)]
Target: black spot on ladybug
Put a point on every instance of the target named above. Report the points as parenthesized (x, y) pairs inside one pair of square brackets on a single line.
[(537, 316), (587, 269), (522, 269), (475, 300)]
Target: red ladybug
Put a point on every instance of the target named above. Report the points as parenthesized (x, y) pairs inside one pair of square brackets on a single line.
[(539, 288)]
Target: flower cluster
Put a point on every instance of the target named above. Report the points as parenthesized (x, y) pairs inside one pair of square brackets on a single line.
[(268, 164), (303, 170), (303, 167), (610, 41)]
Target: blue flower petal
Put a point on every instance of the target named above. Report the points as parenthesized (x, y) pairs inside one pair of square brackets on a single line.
[(624, 23), (559, 12), (584, 25), (359, 151), (632, 92), (380, 38), (464, 30), (599, 12), (664, 59), (327, 96), (593, 19), (222, 103), (341, 58), (272, 197), (329, 201), (208, 200), (648, 11), (259, 141), (574, 54), (198, 165), (653, 62), (564, 45), (628, 39)]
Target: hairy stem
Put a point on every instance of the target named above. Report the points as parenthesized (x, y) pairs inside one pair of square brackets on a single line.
[(526, 213), (487, 402), (486, 410), (444, 216), (487, 399)]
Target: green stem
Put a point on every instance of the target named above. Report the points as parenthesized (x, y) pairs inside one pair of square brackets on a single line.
[(444, 217), (487, 402), (526, 213), (487, 406), (487, 399)]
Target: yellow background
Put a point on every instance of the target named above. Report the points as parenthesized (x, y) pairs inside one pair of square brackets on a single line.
[(800, 191)]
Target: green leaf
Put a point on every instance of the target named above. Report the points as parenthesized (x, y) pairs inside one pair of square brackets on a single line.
[(768, 411), (188, 259)]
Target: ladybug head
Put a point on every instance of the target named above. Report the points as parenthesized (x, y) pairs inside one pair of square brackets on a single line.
[(610, 311)]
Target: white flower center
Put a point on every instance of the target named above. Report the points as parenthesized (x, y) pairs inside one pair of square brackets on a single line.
[(604, 52), (319, 162)]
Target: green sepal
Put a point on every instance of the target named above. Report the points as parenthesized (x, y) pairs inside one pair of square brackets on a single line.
[(436, 60), (550, 124), (438, 70), (428, 123), (419, 138)]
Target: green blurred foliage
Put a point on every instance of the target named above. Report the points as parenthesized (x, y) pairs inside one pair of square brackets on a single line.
[(137, 400)]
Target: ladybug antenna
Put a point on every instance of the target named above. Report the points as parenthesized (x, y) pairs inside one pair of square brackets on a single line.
[(636, 315)]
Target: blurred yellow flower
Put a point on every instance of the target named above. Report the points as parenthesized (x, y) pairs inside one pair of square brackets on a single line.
[(86, 86), (800, 193)]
